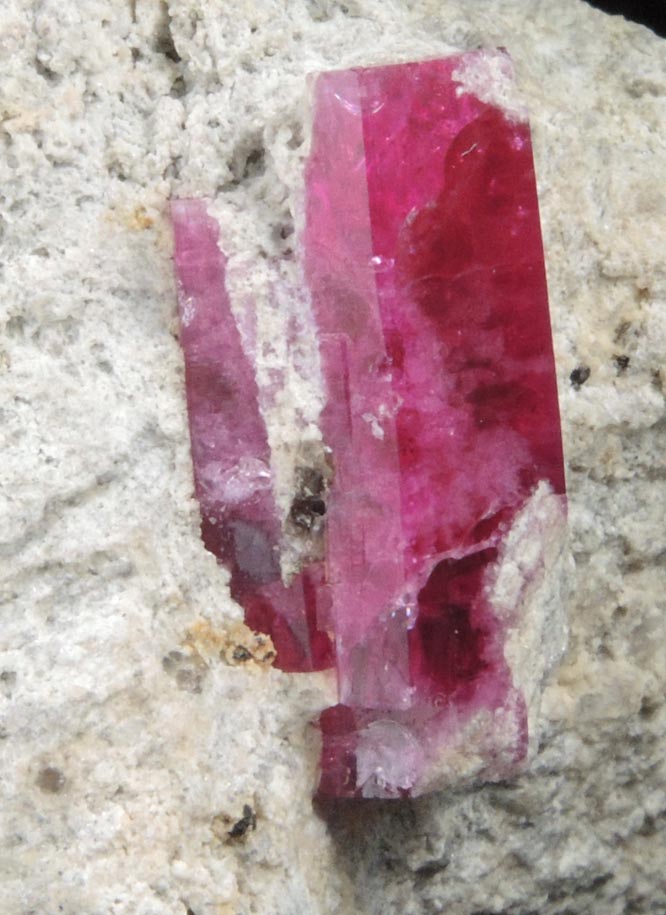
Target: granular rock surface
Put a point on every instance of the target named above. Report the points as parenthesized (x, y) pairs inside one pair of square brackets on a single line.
[(152, 759)]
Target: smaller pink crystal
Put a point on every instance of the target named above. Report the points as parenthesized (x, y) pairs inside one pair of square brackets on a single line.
[(230, 453)]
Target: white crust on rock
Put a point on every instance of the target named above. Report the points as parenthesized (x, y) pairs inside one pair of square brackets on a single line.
[(532, 583)]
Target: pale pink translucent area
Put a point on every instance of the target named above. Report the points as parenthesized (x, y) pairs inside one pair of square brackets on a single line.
[(230, 453), (424, 259)]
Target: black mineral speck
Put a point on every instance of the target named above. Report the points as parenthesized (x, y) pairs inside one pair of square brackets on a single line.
[(306, 511), (51, 780), (247, 822), (308, 506), (579, 376), (621, 362), (241, 653)]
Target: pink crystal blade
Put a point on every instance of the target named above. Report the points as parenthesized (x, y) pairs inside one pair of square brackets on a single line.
[(425, 263), (230, 453)]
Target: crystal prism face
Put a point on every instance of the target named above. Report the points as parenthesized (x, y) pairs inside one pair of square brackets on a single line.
[(440, 596)]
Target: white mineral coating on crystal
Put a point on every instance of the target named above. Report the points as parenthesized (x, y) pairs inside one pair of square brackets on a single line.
[(489, 76), (129, 750), (277, 330)]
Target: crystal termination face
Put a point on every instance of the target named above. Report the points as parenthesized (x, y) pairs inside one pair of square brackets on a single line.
[(439, 600)]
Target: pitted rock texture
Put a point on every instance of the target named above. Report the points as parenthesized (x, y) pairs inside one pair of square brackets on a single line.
[(152, 760)]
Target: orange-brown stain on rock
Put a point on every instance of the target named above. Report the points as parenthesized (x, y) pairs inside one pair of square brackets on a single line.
[(236, 644)]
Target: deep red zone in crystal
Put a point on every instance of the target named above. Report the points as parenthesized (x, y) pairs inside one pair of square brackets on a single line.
[(447, 643), (473, 262)]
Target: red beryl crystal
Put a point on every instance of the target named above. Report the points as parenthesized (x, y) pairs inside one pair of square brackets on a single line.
[(240, 523), (445, 546), (424, 259)]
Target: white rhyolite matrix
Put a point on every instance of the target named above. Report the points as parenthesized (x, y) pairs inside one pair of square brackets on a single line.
[(134, 734)]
